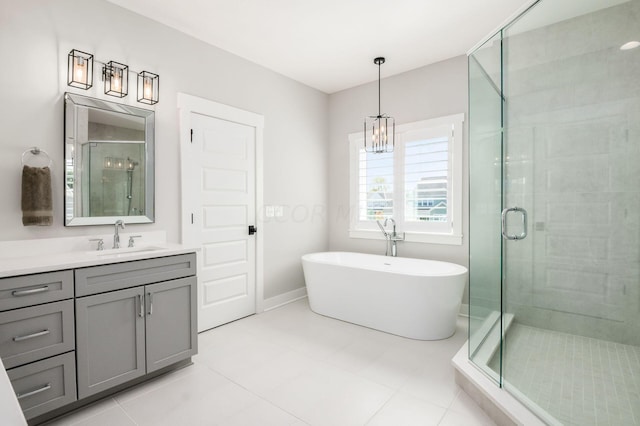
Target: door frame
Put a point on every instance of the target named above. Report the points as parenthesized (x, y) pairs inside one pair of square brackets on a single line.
[(188, 104)]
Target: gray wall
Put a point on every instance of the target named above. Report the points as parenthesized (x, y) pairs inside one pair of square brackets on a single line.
[(35, 38), (432, 91)]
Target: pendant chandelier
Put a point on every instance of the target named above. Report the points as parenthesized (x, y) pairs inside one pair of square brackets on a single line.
[(379, 130)]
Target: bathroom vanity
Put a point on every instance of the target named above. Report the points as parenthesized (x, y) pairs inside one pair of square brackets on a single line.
[(77, 326)]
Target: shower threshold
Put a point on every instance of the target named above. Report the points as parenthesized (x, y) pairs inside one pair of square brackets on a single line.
[(501, 406), (480, 380)]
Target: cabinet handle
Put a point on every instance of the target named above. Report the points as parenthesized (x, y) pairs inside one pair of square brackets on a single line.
[(19, 293), (141, 304), (34, 392), (31, 336), (150, 303)]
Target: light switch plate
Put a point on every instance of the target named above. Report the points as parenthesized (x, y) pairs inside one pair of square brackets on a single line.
[(269, 211)]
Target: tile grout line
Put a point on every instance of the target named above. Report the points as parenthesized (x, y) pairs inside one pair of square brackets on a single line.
[(255, 394), (126, 413)]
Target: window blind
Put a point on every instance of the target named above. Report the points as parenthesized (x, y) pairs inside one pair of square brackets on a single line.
[(375, 185), (426, 180)]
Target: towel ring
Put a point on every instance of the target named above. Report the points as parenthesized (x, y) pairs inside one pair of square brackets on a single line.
[(36, 151)]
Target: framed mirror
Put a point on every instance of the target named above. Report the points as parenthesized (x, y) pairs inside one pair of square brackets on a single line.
[(109, 162)]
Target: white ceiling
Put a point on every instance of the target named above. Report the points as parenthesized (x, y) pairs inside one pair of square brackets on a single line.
[(330, 44)]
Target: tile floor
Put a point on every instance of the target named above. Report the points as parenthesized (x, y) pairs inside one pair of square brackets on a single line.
[(290, 366)]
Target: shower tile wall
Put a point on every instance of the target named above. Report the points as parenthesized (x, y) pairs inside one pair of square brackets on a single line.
[(573, 161)]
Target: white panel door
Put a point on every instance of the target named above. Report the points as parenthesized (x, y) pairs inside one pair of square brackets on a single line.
[(223, 162)]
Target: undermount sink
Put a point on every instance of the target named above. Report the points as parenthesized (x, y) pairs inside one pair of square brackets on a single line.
[(125, 251)]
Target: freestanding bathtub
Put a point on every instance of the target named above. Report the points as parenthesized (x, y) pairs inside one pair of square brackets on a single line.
[(414, 298)]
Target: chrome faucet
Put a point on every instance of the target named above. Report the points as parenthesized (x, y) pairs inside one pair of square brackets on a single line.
[(116, 236), (392, 238)]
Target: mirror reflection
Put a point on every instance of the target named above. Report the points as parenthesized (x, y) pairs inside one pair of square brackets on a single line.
[(109, 169)]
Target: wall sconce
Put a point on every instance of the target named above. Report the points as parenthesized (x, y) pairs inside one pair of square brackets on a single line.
[(115, 76), (80, 71), (116, 79), (148, 87), (108, 163)]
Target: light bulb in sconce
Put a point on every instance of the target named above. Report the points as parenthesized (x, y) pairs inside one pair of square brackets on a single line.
[(108, 163), (119, 164), (80, 68), (117, 80), (148, 88)]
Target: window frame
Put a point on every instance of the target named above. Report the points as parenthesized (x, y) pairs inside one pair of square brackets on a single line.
[(451, 233)]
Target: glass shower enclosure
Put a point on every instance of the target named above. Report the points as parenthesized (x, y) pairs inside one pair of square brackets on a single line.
[(554, 157)]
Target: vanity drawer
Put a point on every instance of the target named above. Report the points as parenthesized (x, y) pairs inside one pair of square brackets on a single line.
[(99, 279), (26, 290), (37, 332), (45, 385)]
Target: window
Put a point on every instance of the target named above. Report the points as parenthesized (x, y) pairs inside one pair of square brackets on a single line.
[(419, 184)]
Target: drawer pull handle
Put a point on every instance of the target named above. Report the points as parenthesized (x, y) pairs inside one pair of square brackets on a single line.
[(19, 293), (150, 303), (34, 392), (31, 336)]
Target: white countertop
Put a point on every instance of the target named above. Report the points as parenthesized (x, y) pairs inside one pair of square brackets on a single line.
[(55, 254), (78, 259)]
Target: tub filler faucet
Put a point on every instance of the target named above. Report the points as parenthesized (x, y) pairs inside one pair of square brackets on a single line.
[(391, 238)]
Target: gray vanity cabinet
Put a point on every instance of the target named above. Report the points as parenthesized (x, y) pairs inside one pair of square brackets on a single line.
[(97, 326), (110, 340), (127, 333)]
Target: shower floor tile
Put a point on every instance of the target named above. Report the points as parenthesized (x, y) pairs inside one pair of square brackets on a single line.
[(577, 380)]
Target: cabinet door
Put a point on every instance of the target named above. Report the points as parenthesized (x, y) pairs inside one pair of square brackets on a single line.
[(171, 322), (110, 339)]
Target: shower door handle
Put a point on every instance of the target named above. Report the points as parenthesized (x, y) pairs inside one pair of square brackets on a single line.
[(523, 234)]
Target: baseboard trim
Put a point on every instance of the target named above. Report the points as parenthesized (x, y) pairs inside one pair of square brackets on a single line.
[(284, 298)]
